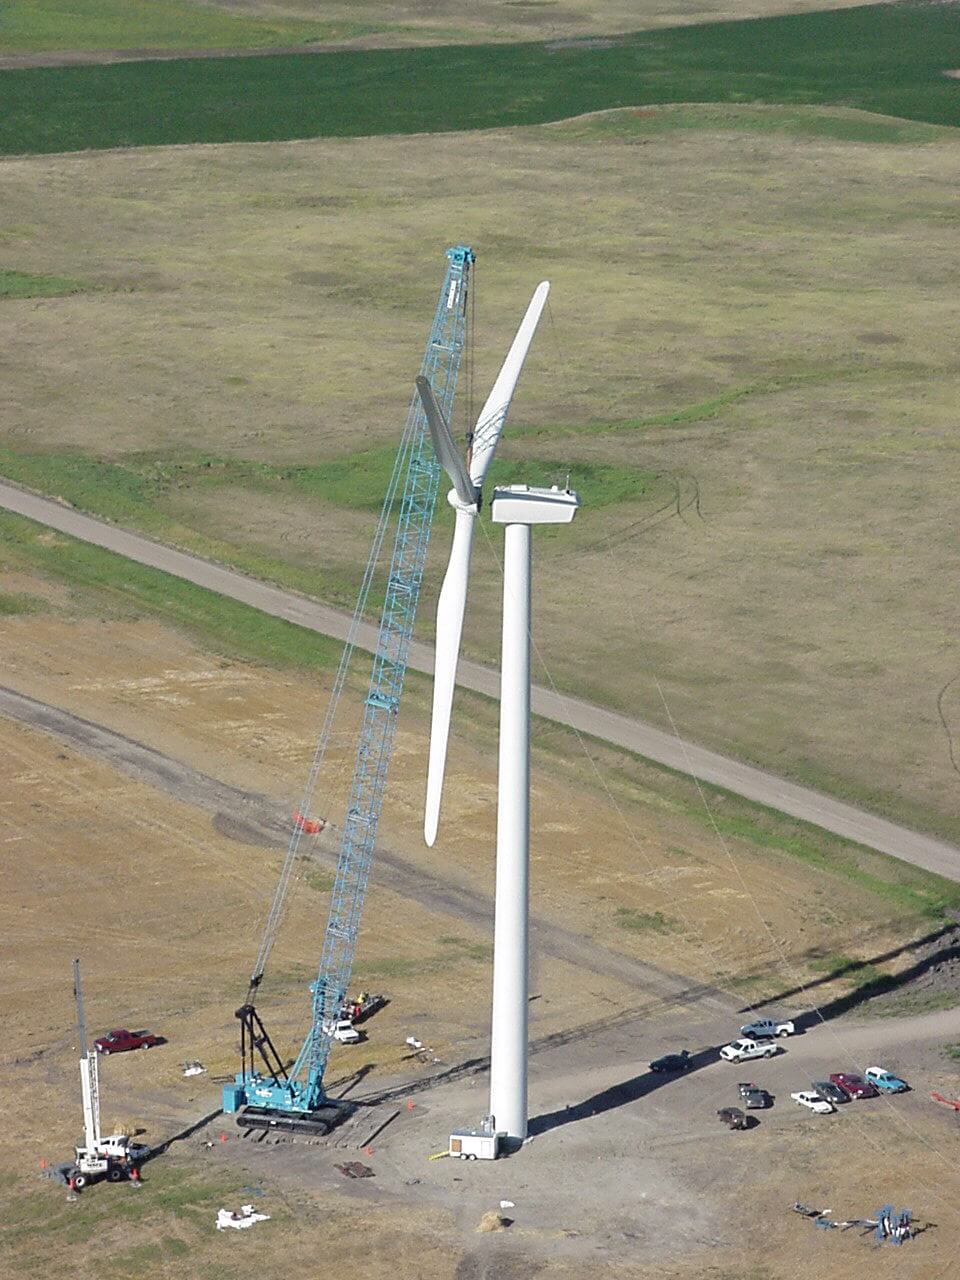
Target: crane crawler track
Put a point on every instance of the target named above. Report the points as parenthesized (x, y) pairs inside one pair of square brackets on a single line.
[(318, 1123)]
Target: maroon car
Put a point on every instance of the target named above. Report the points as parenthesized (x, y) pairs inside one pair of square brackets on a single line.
[(123, 1041), (854, 1086)]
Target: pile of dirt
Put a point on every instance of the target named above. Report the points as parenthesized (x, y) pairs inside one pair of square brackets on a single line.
[(493, 1221)]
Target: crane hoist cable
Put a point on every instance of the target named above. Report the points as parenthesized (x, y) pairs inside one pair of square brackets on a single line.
[(275, 914)]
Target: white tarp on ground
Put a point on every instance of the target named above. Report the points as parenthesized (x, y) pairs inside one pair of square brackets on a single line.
[(245, 1218)]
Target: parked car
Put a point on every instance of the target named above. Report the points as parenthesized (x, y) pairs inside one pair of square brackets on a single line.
[(767, 1029), (832, 1092), (754, 1097), (342, 1030), (733, 1118), (813, 1101), (744, 1050), (853, 1086), (122, 1041), (885, 1081), (673, 1062)]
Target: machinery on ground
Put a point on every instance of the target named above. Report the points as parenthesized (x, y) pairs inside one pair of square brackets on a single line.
[(116, 1157), (365, 1006), (266, 1093)]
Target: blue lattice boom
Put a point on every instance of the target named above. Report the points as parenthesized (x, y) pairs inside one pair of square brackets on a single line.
[(302, 1090)]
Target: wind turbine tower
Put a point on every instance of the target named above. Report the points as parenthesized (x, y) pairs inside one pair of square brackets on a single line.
[(518, 508)]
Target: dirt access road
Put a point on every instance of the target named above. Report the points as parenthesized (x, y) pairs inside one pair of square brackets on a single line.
[(256, 819), (622, 731)]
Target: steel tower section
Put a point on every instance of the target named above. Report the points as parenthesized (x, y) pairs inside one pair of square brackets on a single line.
[(302, 1088)]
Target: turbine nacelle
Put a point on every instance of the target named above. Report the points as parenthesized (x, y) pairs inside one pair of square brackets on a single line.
[(467, 476)]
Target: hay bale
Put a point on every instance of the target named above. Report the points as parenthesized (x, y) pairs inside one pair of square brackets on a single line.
[(494, 1221)]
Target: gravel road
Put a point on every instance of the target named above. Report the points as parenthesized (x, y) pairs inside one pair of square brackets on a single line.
[(622, 731)]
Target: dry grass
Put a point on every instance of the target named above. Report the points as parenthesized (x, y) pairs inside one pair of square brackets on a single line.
[(407, 22), (45, 31), (253, 728), (754, 311), (88, 851)]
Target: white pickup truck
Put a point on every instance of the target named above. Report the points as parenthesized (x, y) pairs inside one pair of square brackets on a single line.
[(342, 1030), (767, 1028), (744, 1050)]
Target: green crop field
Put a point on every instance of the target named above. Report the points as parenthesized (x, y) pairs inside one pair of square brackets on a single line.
[(881, 58)]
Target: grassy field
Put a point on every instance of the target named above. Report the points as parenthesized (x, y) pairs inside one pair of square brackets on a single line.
[(104, 587), (50, 26), (749, 369), (775, 905), (28, 26), (120, 586), (21, 284), (148, 493), (881, 58)]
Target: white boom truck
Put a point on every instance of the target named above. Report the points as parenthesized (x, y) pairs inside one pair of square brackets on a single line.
[(114, 1157)]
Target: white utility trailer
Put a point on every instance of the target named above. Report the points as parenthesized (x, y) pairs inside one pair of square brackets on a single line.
[(475, 1144)]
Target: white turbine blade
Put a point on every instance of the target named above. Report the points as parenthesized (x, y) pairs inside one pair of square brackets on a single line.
[(489, 426), (450, 610), (447, 452)]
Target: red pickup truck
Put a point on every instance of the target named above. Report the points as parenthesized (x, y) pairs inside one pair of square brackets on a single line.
[(854, 1086), (123, 1041)]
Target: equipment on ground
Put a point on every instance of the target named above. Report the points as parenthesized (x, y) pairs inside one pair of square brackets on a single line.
[(519, 507), (116, 1157), (892, 1227), (363, 1007), (265, 1092), (475, 1144)]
